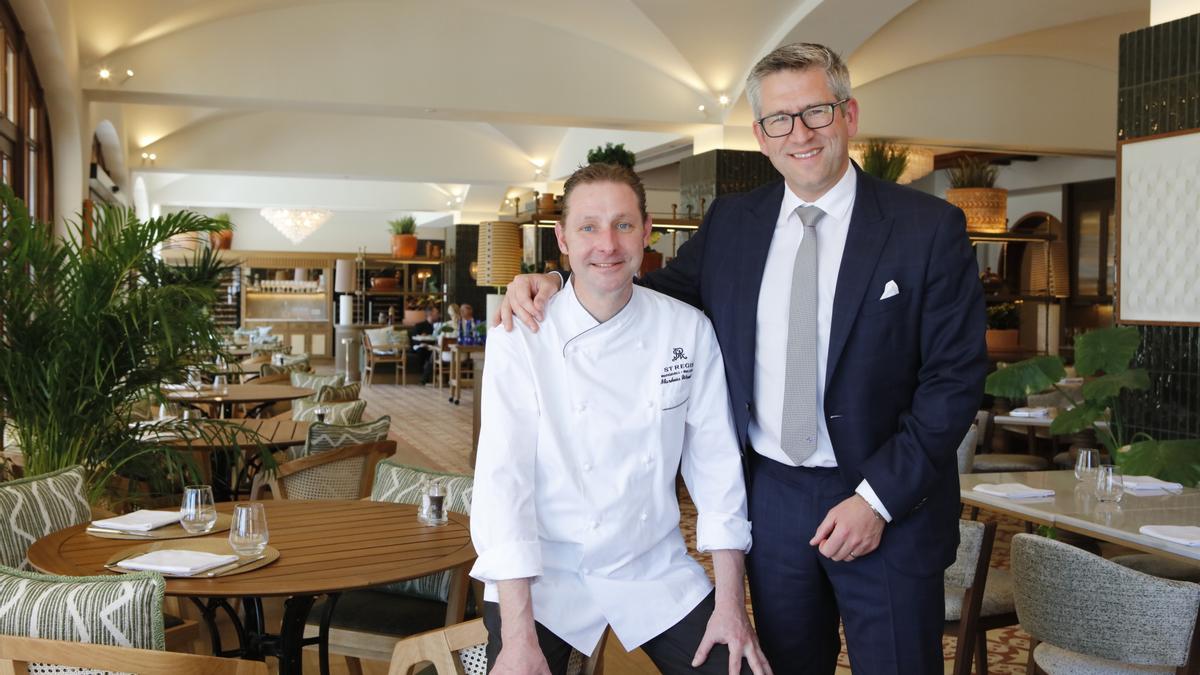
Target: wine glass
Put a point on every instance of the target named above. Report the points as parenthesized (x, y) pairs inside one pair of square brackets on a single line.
[(1086, 463), (248, 535), (1110, 486), (220, 384), (198, 509)]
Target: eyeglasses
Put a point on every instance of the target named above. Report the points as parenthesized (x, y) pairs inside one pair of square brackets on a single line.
[(814, 117)]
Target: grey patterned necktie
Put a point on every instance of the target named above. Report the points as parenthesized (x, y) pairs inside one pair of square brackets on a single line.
[(798, 434)]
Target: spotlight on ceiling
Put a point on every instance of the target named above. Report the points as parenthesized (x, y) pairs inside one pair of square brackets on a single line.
[(700, 107), (105, 73), (723, 100)]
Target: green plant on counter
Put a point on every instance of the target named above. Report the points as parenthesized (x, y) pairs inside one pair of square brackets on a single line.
[(884, 160), (405, 225), (612, 154), (973, 172), (654, 237), (1104, 356), (1003, 317), (91, 331)]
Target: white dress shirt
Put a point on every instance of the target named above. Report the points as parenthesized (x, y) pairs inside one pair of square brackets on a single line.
[(771, 328), (584, 426)]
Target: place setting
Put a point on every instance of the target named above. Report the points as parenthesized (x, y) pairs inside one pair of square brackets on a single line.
[(196, 517)]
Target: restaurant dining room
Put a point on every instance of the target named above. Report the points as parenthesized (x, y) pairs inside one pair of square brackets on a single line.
[(256, 257)]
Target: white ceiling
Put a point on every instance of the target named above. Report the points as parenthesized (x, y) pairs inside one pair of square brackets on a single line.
[(388, 105)]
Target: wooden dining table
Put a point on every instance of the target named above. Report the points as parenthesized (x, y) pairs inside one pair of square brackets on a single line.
[(226, 397), (326, 548)]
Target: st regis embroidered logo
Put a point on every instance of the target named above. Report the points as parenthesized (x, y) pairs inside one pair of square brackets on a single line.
[(677, 355)]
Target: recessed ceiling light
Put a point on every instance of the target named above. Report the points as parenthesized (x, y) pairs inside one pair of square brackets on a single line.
[(724, 100), (129, 72), (145, 155), (700, 107), (105, 73), (153, 156)]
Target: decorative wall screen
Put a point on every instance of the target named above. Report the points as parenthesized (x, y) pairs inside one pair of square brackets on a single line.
[(1159, 254)]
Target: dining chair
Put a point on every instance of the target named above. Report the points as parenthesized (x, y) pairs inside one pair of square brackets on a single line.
[(461, 648), (441, 359), (39, 505), (966, 450), (365, 624), (20, 655), (997, 462), (1086, 614), (396, 353), (345, 473), (978, 598), (323, 437)]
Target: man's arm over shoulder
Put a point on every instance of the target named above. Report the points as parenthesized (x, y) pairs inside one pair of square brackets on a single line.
[(711, 464), (950, 380), (503, 514)]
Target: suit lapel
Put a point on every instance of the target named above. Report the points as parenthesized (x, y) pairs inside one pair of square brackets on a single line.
[(758, 227), (869, 231)]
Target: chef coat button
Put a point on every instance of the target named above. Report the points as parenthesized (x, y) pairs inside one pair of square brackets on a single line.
[(646, 459), (585, 571), (587, 466), (595, 524), (644, 516), (650, 403), (641, 345), (581, 407)]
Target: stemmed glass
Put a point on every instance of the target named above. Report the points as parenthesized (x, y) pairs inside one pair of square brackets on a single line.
[(248, 535), (198, 509)]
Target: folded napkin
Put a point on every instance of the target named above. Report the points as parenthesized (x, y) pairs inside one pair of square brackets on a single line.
[(1029, 412), (1013, 490), (139, 521), (182, 563), (1150, 484), (181, 386), (1188, 535)]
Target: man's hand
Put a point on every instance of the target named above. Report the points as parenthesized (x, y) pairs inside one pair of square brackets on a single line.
[(850, 530), (526, 298), (729, 626), (520, 657)]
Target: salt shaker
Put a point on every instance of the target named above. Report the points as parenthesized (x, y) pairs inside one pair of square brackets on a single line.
[(433, 505)]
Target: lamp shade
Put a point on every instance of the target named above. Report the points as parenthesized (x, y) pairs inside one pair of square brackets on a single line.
[(499, 253), (343, 278)]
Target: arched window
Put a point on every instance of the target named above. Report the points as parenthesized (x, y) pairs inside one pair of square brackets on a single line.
[(24, 124)]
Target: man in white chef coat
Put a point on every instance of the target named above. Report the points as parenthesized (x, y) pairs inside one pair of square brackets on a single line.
[(585, 425)]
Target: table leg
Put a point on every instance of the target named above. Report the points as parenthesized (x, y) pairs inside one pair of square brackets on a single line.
[(323, 635), (208, 612), (290, 646)]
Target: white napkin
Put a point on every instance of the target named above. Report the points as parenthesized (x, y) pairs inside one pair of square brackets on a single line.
[(1188, 535), (1150, 484), (1029, 412), (182, 563), (1013, 490), (176, 387), (140, 521)]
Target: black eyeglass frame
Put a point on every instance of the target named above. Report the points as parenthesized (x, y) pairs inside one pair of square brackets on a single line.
[(832, 107)]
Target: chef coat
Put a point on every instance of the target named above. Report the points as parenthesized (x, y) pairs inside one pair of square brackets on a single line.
[(584, 426)]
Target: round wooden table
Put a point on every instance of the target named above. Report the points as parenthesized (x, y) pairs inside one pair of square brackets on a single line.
[(325, 547), (246, 434), (262, 394)]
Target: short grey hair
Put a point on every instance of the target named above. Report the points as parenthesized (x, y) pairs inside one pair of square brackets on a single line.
[(799, 56)]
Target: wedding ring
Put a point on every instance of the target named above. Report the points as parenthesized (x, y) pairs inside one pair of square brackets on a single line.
[(851, 555)]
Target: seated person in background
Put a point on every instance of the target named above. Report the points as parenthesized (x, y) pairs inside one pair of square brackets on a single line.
[(584, 427), (420, 337)]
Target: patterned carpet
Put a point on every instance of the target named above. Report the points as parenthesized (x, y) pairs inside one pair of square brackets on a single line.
[(434, 433)]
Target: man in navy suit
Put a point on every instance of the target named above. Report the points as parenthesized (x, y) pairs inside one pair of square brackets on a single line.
[(861, 521)]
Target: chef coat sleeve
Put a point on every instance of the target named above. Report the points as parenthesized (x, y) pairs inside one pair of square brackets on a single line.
[(503, 517), (712, 466)]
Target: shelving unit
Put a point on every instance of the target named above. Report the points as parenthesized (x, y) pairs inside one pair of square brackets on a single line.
[(372, 305), (303, 317), (1013, 295)]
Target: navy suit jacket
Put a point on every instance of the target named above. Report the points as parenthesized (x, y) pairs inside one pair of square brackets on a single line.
[(904, 375)]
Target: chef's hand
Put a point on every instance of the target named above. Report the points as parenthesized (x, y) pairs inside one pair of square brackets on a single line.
[(729, 626), (850, 530), (526, 298), (521, 657)]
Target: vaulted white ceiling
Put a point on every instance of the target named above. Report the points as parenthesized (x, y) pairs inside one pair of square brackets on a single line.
[(327, 95)]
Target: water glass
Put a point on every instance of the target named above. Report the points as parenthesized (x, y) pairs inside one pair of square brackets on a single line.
[(248, 535), (1110, 486), (198, 509), (1086, 463), (168, 411), (221, 384), (321, 413)]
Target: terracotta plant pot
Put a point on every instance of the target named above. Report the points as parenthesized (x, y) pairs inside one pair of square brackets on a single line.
[(222, 241), (1003, 340), (651, 260), (383, 283), (404, 246), (986, 208)]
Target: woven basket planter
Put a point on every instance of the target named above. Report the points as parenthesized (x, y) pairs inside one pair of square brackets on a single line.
[(986, 208)]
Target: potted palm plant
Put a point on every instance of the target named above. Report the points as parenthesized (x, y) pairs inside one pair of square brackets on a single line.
[(90, 332), (612, 154), (973, 189), (222, 239), (404, 237), (884, 160)]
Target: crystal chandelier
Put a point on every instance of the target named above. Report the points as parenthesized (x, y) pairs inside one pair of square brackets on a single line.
[(296, 224)]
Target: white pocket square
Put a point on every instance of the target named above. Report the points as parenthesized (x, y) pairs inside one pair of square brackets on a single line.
[(889, 289)]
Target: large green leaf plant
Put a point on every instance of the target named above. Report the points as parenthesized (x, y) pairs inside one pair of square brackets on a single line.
[(90, 326), (1103, 356)]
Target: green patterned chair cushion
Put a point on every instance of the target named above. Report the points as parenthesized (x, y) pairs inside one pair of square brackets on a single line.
[(289, 359), (387, 340), (401, 484), (272, 369), (123, 610), (324, 437), (314, 381), (335, 413), (31, 508), (332, 394)]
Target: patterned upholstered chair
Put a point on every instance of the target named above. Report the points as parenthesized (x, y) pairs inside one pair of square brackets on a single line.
[(350, 412), (36, 506), (996, 462), (966, 450), (347, 472), (978, 598), (461, 649), (323, 438), (25, 654), (1091, 615), (346, 393), (123, 610), (366, 624)]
